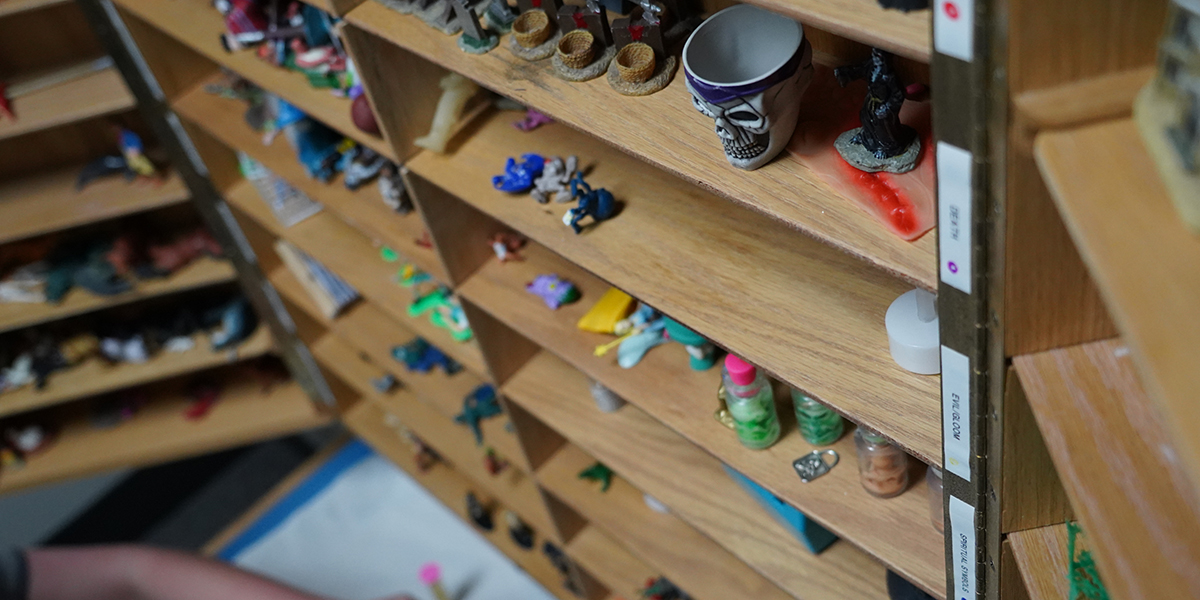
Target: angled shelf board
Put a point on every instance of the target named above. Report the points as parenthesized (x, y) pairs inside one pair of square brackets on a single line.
[(93, 95), (905, 34), (201, 272), (159, 432), (450, 487), (49, 202), (362, 208), (699, 566), (692, 483), (97, 376), (1141, 256), (663, 129), (1116, 460), (12, 7), (623, 573), (345, 251), (1041, 556), (199, 26), (823, 299)]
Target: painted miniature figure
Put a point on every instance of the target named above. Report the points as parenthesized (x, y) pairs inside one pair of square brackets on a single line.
[(493, 463), (598, 204), (423, 455), (662, 589), (384, 383), (499, 16), (701, 352), (409, 276), (364, 166), (553, 290), (642, 65), (598, 472), (419, 356), (480, 404), (474, 39), (392, 190), (519, 177), (237, 322), (132, 162), (555, 180), (447, 117), (521, 534), (444, 311), (533, 119), (747, 69), (882, 143), (507, 246), (479, 515)]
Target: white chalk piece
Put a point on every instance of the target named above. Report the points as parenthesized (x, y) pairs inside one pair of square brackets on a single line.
[(912, 328)]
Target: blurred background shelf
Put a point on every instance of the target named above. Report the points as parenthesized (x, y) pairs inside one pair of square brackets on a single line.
[(88, 96)]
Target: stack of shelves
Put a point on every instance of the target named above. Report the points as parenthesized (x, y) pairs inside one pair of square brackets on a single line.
[(804, 278), (56, 130)]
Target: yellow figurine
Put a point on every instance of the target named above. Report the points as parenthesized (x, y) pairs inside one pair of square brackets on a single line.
[(603, 317)]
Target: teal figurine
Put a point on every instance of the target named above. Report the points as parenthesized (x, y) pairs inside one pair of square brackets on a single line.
[(701, 352)]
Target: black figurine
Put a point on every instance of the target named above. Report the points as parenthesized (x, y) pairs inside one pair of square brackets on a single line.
[(479, 515), (521, 534), (883, 143)]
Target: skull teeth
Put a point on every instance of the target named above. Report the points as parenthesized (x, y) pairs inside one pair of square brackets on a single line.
[(743, 152)]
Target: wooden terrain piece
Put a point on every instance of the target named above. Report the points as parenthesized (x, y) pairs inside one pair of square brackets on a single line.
[(665, 130), (694, 485), (450, 487), (198, 25), (1041, 556), (807, 314), (201, 272), (97, 376), (48, 202), (1145, 262), (93, 95), (159, 433), (695, 563), (363, 208), (1119, 468)]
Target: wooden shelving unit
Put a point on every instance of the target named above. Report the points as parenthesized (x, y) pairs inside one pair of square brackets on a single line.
[(613, 565), (1041, 556), (94, 95), (12, 7)]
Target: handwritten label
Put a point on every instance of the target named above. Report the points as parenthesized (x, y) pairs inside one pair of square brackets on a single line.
[(962, 527), (956, 412), (954, 215), (954, 28)]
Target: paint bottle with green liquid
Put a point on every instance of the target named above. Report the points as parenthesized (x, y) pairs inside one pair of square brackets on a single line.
[(751, 404)]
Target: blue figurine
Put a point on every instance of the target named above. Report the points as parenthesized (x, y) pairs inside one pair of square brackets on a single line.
[(598, 203), (419, 356), (518, 177), (480, 404), (236, 322)]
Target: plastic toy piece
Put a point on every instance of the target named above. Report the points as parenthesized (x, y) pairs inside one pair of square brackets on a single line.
[(237, 322), (598, 204), (493, 463), (480, 404), (444, 311), (174, 255), (384, 383), (362, 116), (598, 472), (701, 351), (610, 309), (204, 398), (409, 275), (521, 534), (419, 356), (499, 16), (883, 143), (912, 327), (104, 166), (555, 180), (518, 177), (533, 119), (480, 516), (392, 190), (507, 246), (134, 153), (456, 91), (364, 166), (663, 589), (553, 290), (431, 573)]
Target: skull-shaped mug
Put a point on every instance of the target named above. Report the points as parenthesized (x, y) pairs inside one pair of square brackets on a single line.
[(747, 69)]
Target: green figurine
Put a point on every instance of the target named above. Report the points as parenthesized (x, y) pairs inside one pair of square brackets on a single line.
[(598, 472), (703, 354)]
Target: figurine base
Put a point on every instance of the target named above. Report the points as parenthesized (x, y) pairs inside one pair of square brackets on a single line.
[(540, 52), (664, 70), (472, 45), (588, 73), (861, 159), (1151, 112)]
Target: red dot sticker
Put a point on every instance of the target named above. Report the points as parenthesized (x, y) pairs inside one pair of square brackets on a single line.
[(951, 10)]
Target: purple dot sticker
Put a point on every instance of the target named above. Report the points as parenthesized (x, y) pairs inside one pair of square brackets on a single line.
[(953, 267)]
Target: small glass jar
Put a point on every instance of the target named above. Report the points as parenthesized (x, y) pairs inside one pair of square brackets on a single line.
[(818, 424), (751, 402), (933, 480), (882, 467)]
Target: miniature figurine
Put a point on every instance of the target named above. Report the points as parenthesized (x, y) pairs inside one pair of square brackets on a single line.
[(883, 143), (555, 180), (521, 534), (391, 189), (479, 515), (507, 246), (169, 257), (553, 290), (456, 92), (384, 383), (474, 39), (28, 440), (598, 204), (499, 16), (444, 312), (518, 177), (431, 573), (663, 589), (493, 463), (237, 322), (204, 395), (409, 275), (750, 89), (424, 456), (586, 47), (480, 404), (419, 356), (364, 165), (607, 312), (18, 374), (131, 349), (134, 153), (598, 472), (701, 352), (132, 162), (533, 119)]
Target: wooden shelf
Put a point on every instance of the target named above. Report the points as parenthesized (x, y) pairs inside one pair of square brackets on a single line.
[(447, 485), (823, 299), (92, 95), (364, 209), (663, 129), (48, 202), (160, 433), (1041, 556), (905, 34), (202, 272), (1143, 259), (199, 26), (621, 572), (695, 486), (345, 251), (12, 7), (695, 563), (1116, 460), (97, 376)]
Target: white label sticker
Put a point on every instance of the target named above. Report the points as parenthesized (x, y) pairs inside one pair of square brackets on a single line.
[(962, 527), (956, 412), (954, 215), (954, 28)]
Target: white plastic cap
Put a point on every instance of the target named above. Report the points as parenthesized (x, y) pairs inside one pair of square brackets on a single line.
[(912, 328)]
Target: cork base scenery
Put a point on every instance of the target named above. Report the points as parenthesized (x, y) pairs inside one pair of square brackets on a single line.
[(664, 70)]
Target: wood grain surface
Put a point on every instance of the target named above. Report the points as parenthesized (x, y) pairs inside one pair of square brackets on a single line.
[(86, 97), (1041, 557)]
